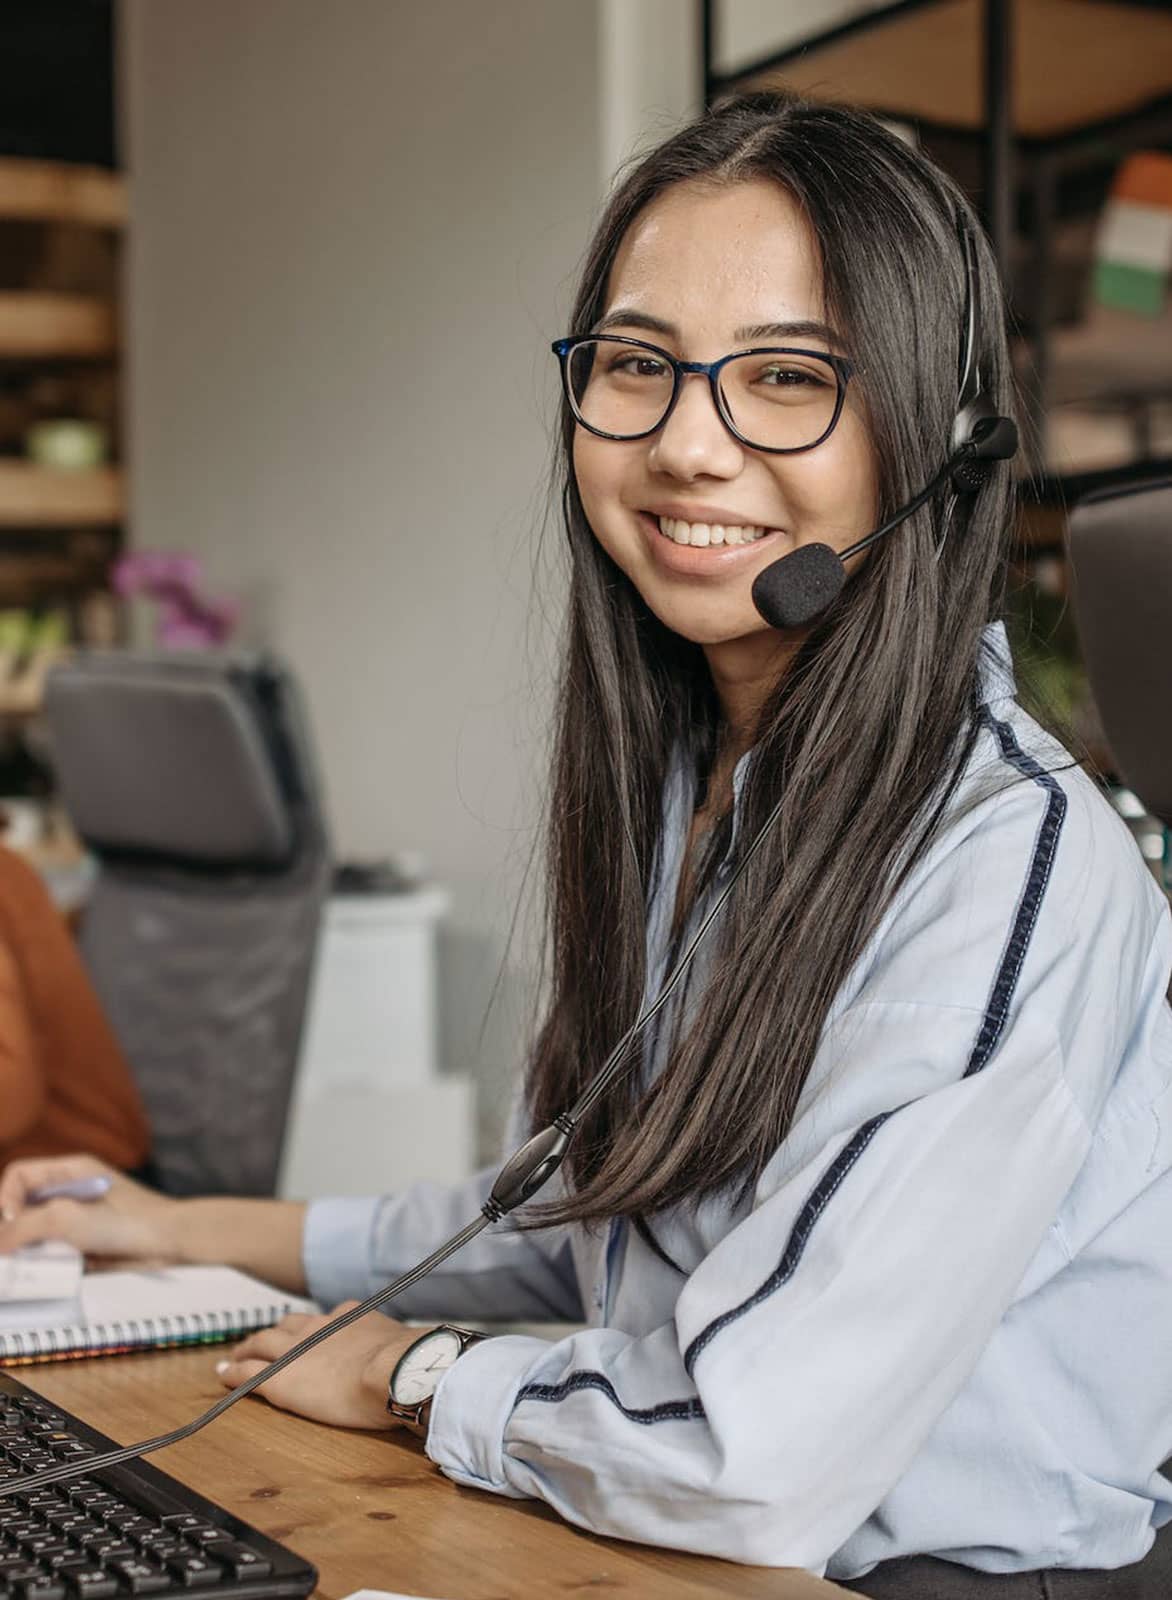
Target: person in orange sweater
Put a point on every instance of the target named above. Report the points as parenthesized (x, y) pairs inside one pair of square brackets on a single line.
[(64, 1083)]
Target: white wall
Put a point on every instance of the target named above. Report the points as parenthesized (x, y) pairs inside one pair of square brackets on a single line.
[(650, 75), (355, 230)]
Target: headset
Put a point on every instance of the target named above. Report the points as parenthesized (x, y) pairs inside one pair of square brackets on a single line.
[(792, 591), (790, 595)]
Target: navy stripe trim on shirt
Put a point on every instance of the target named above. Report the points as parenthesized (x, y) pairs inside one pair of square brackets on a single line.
[(799, 1236), (1045, 846), (669, 1411), (992, 1026)]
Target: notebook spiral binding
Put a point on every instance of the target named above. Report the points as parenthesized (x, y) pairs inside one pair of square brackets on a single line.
[(22, 1347)]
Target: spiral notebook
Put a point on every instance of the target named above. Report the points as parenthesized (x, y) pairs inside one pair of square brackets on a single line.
[(150, 1308)]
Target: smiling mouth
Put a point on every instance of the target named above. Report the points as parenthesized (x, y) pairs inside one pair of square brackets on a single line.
[(702, 534)]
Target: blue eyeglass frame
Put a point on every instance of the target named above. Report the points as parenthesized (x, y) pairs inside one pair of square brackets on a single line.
[(842, 367)]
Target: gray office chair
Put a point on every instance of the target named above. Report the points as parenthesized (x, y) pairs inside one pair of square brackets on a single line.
[(191, 780), (1121, 552)]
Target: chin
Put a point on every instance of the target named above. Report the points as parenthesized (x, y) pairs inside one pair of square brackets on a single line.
[(707, 630)]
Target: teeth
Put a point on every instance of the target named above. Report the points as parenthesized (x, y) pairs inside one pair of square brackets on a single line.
[(705, 533)]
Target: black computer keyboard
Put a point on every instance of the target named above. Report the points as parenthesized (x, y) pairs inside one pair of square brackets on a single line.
[(127, 1530)]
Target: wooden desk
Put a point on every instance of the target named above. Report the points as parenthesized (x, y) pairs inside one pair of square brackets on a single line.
[(370, 1510)]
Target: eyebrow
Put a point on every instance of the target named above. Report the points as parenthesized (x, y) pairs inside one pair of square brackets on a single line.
[(626, 318)]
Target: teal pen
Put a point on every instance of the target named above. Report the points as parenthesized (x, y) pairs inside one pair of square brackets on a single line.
[(93, 1188)]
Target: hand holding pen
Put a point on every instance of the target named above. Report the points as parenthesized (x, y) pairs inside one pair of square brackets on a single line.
[(86, 1203)]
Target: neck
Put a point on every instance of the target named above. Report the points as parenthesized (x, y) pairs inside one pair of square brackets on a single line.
[(745, 673)]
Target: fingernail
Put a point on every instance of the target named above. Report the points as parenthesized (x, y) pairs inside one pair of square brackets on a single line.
[(222, 1366)]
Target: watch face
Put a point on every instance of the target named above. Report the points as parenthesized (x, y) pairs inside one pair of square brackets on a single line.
[(417, 1376)]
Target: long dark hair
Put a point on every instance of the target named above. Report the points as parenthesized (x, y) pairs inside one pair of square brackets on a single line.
[(861, 738)]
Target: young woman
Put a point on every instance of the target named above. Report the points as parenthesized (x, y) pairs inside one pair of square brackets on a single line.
[(872, 1239)]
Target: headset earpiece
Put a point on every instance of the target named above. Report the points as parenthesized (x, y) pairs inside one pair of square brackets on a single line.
[(980, 434), (985, 437)]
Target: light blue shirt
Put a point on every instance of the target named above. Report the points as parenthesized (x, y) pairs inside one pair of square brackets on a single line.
[(942, 1324)]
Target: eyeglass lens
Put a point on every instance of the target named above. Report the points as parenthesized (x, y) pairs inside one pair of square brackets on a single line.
[(777, 401)]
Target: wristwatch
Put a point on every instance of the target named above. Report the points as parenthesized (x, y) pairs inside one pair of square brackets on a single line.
[(419, 1369)]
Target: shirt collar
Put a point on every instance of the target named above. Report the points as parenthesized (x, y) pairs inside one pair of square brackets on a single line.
[(995, 665)]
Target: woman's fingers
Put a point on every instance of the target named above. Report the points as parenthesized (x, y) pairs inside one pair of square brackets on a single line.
[(56, 1219), (269, 1344), (233, 1373), (21, 1179), (345, 1385)]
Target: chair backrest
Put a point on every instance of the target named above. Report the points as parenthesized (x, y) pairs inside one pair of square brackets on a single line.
[(190, 777), (1121, 552)]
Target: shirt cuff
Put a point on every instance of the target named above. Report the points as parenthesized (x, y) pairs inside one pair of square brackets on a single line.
[(335, 1248), (472, 1406)]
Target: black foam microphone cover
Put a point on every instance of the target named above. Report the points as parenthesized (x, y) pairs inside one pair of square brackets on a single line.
[(794, 590)]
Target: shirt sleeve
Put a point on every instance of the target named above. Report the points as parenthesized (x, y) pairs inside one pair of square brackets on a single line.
[(352, 1246), (811, 1352)]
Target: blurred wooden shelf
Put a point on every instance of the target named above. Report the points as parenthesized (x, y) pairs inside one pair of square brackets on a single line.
[(56, 191), (923, 63), (32, 496), (23, 577), (1040, 527), (39, 325)]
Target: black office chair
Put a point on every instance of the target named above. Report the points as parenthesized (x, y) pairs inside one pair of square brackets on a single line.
[(190, 778), (1121, 553)]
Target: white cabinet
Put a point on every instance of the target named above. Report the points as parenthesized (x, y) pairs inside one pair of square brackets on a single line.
[(370, 1110)]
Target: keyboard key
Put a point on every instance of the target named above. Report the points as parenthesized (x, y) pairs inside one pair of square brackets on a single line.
[(45, 1543), (92, 1583), (105, 1545), (66, 1559), (67, 1520), (242, 1562), (162, 1543), (95, 1501), (210, 1536), (131, 1523), (46, 1587), (140, 1577), (24, 1528), (194, 1570)]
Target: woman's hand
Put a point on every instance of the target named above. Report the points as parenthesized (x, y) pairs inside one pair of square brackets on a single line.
[(130, 1222), (344, 1382)]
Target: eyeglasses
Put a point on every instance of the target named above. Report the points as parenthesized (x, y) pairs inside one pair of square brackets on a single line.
[(780, 399)]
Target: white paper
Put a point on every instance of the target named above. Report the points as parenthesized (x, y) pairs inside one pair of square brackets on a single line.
[(383, 1594), (39, 1284), (149, 1292)]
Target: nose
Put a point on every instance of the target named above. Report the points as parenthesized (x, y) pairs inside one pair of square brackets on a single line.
[(694, 441)]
